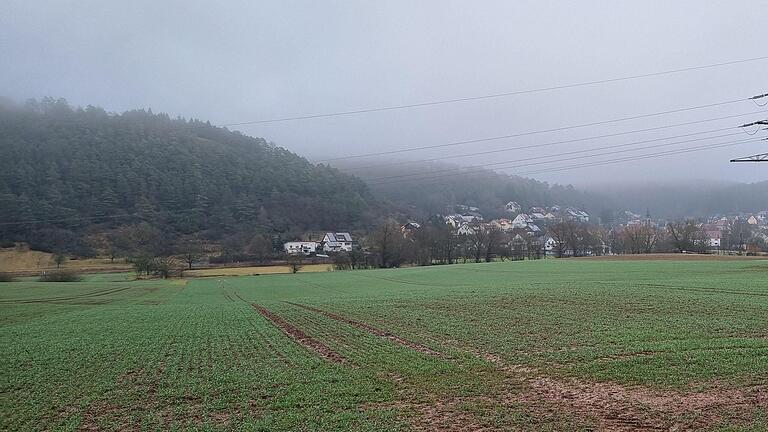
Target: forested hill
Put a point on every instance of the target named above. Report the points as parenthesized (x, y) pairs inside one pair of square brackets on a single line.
[(424, 189), (67, 171)]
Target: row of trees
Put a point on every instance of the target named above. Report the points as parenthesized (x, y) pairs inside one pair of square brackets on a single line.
[(680, 236), (436, 243), (571, 238)]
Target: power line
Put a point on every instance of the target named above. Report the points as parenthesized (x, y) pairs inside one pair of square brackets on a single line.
[(503, 167), (507, 149), (491, 96), (585, 151), (640, 157), (536, 132)]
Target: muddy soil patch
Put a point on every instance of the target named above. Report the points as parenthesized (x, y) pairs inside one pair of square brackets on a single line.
[(615, 407)]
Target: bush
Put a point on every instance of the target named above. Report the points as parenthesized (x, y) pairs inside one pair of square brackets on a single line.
[(61, 276), (6, 277)]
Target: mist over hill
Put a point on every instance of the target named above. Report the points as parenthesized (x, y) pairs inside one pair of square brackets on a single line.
[(687, 199), (422, 189), (426, 188)]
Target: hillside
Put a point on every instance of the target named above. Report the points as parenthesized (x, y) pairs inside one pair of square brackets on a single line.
[(424, 189), (68, 172)]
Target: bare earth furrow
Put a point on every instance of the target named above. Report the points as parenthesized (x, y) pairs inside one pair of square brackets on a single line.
[(373, 330), (300, 337)]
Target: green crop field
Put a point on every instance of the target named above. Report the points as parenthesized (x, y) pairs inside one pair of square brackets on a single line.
[(534, 345)]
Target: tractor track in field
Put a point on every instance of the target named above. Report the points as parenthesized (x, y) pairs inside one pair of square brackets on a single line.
[(297, 335), (372, 330), (300, 337), (68, 298)]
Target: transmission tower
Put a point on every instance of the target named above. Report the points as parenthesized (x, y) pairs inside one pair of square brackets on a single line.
[(762, 157)]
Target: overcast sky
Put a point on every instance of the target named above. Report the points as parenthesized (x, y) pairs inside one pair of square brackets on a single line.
[(239, 61)]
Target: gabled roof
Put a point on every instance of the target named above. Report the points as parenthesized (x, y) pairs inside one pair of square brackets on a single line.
[(338, 237)]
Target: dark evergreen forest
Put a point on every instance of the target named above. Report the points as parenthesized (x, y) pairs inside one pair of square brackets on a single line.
[(70, 172)]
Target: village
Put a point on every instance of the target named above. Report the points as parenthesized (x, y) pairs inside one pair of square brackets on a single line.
[(560, 231)]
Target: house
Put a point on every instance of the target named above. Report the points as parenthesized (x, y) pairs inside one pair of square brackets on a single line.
[(550, 246), (300, 247), (454, 221), (502, 224), (472, 217), (513, 207), (521, 221), (409, 228), (714, 238), (337, 242), (533, 229), (578, 215), (465, 229)]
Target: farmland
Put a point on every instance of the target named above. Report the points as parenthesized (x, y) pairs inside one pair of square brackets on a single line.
[(533, 345)]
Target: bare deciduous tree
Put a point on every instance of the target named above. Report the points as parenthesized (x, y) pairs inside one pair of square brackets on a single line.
[(493, 240), (166, 267), (388, 242), (59, 259), (295, 262), (562, 233), (687, 236), (192, 251), (639, 239)]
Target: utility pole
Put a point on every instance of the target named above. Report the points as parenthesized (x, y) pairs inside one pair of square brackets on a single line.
[(761, 157)]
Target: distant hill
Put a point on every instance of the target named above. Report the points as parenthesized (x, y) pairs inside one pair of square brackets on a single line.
[(427, 188), (423, 189), (66, 172), (690, 199)]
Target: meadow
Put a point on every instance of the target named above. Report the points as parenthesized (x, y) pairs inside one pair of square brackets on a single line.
[(533, 345)]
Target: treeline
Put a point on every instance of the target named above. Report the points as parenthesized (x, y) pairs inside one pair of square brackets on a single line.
[(434, 242), (70, 175), (685, 236)]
